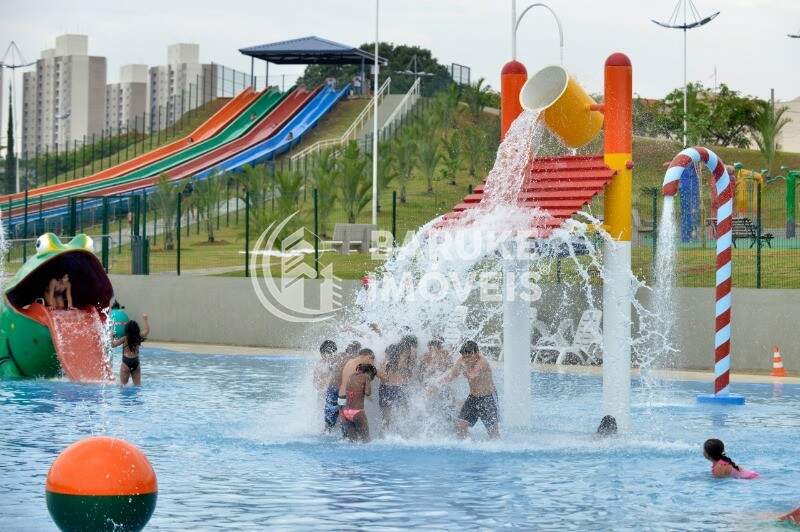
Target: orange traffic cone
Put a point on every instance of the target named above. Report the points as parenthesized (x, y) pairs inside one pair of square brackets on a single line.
[(777, 363)]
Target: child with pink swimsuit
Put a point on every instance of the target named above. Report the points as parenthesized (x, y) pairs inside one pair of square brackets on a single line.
[(721, 465)]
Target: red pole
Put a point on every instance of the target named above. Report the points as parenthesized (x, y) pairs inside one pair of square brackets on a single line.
[(512, 78)]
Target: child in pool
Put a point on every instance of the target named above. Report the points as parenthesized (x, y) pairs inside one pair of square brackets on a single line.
[(721, 465), (354, 418), (131, 341)]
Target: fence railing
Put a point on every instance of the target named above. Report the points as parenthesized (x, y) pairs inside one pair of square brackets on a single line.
[(351, 133)]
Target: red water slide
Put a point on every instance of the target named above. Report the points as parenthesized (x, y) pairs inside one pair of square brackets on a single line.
[(260, 132), (207, 129)]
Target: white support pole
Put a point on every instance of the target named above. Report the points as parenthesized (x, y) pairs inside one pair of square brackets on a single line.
[(517, 402), (617, 331), (375, 125), (514, 30)]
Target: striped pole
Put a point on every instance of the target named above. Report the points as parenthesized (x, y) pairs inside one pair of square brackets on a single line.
[(722, 196)]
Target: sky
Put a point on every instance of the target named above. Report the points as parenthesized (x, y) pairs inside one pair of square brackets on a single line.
[(746, 44)]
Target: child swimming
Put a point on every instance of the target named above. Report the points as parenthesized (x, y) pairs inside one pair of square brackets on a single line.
[(721, 465), (354, 418), (326, 378), (131, 341)]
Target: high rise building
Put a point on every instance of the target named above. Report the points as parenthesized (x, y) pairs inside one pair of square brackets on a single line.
[(126, 101), (184, 84), (64, 99)]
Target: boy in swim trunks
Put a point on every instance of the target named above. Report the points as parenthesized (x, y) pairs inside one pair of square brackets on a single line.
[(326, 378), (481, 402), (354, 418)]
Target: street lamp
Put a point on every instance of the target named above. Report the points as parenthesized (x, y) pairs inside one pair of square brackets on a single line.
[(515, 21), (696, 21)]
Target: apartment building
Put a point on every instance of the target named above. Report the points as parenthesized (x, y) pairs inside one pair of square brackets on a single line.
[(64, 99), (126, 101)]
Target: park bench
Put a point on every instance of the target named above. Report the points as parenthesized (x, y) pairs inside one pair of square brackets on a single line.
[(743, 228), (347, 237)]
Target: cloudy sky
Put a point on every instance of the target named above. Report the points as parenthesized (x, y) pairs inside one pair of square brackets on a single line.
[(747, 43)]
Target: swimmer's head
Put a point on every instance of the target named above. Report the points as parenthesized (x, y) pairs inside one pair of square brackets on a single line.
[(367, 352), (352, 348), (367, 368), (714, 449), (436, 343), (468, 349), (408, 343), (608, 426), (327, 349)]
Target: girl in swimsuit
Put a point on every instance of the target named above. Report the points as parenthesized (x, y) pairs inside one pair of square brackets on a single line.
[(59, 293), (130, 342), (721, 465), (354, 418)]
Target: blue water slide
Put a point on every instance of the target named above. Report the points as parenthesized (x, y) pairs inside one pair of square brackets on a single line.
[(288, 137)]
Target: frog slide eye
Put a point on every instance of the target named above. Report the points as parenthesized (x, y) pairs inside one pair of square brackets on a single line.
[(81, 242), (48, 243)]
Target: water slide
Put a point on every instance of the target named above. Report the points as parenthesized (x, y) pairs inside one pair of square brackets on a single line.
[(206, 130), (301, 124), (77, 335), (245, 121), (296, 100)]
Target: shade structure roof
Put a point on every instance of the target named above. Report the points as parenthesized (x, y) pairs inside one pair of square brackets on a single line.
[(311, 50), (561, 186)]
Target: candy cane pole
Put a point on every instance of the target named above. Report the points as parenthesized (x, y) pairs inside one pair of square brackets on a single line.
[(722, 192)]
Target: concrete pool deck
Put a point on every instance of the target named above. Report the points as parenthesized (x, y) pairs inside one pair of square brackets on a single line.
[(683, 375)]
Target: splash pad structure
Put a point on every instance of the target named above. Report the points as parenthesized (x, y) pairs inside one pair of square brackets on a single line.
[(560, 187)]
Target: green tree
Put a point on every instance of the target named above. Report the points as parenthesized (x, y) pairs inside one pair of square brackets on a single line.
[(474, 144), (387, 169), (355, 185), (767, 127), (451, 162), (11, 157), (164, 199), (206, 195), (476, 96), (427, 139), (405, 160), (325, 173)]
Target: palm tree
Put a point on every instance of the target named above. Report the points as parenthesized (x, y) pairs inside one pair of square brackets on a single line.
[(428, 149), (474, 144), (451, 162), (206, 197), (386, 168), (767, 128), (164, 198), (405, 160), (476, 96), (355, 184), (445, 104), (325, 174)]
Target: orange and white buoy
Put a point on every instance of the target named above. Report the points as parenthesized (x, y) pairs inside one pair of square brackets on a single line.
[(777, 363)]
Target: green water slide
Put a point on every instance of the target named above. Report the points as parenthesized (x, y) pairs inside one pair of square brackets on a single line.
[(251, 116)]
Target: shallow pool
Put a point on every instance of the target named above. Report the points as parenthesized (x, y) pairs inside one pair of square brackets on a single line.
[(234, 447)]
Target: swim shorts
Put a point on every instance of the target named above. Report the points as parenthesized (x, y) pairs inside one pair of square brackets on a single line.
[(331, 407), (483, 408)]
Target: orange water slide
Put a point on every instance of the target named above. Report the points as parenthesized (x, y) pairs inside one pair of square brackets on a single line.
[(205, 130)]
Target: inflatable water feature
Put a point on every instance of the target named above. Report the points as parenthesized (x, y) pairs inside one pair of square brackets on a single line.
[(37, 341), (101, 483)]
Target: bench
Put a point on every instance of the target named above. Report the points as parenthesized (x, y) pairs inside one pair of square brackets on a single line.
[(742, 228), (640, 229), (347, 237)]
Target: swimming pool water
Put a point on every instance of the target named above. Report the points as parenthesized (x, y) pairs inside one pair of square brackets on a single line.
[(236, 445)]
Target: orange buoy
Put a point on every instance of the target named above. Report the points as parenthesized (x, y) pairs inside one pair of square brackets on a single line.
[(101, 483), (777, 363)]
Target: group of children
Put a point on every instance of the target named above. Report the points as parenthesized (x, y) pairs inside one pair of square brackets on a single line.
[(413, 394)]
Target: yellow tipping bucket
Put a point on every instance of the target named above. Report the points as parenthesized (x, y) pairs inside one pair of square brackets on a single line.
[(563, 104)]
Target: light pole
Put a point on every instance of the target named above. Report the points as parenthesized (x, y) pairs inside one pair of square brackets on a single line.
[(696, 21), (515, 21), (375, 125)]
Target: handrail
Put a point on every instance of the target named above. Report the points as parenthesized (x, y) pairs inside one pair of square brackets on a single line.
[(351, 131), (408, 101)]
